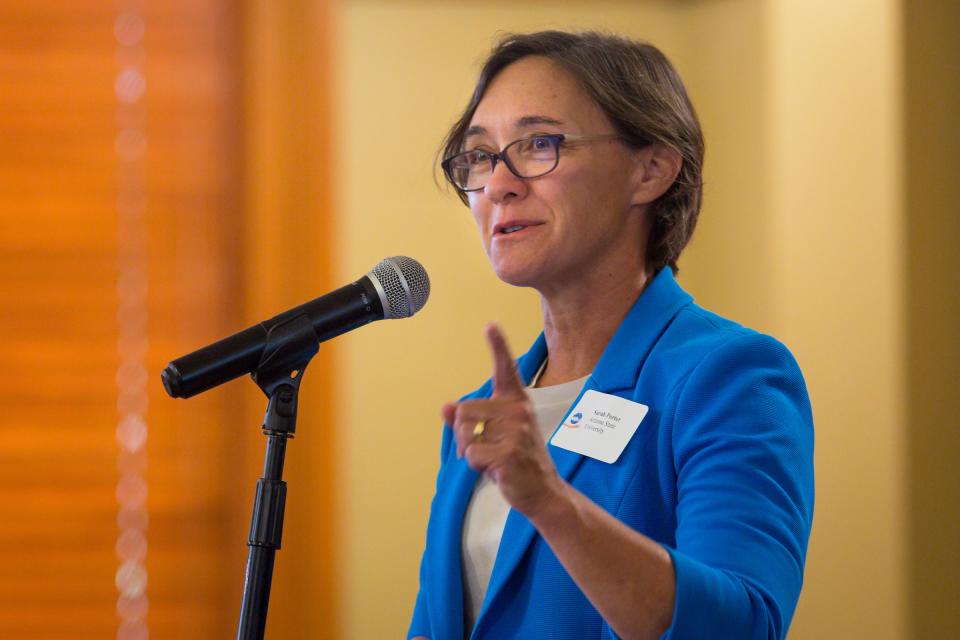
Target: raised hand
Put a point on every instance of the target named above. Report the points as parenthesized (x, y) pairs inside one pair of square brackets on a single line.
[(507, 447)]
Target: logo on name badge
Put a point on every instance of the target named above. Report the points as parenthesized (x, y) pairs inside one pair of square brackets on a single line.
[(573, 423)]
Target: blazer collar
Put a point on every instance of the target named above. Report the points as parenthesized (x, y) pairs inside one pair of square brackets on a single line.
[(619, 366), (617, 370)]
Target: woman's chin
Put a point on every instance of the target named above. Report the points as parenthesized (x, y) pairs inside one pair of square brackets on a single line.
[(516, 275)]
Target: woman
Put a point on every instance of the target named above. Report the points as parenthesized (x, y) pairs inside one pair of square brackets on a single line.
[(676, 497)]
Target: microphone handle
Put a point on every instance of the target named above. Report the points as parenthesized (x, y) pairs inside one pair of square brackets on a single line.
[(332, 314)]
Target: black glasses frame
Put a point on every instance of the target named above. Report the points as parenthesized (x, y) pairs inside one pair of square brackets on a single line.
[(555, 140)]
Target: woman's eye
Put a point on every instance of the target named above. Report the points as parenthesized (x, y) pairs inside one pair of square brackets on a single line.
[(535, 145), (540, 144), (478, 156)]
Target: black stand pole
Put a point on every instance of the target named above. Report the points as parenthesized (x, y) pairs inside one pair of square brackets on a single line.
[(290, 347)]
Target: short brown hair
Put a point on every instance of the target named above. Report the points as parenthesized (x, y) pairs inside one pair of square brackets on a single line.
[(641, 93)]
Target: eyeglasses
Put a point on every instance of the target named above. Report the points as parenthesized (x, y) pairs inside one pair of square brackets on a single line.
[(526, 158)]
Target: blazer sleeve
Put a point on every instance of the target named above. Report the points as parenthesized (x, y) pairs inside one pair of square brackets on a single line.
[(743, 456)]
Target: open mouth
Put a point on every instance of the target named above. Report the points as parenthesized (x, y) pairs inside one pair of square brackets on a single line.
[(512, 227)]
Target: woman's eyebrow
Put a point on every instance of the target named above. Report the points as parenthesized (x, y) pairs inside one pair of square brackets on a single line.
[(475, 130), (524, 122), (529, 121)]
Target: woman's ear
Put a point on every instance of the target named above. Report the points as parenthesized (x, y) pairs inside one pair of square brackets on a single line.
[(657, 167)]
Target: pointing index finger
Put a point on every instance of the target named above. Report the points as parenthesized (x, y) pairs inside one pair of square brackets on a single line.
[(506, 379)]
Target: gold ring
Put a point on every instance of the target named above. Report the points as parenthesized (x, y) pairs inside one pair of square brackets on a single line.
[(478, 429)]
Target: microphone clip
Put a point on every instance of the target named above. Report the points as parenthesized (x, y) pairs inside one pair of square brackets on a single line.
[(290, 345)]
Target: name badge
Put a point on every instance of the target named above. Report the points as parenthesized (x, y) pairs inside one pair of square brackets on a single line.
[(600, 426)]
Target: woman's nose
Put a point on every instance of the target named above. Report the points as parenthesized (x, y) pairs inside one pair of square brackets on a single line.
[(504, 185)]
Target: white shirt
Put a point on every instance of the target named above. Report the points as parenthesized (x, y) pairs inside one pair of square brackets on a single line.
[(487, 512)]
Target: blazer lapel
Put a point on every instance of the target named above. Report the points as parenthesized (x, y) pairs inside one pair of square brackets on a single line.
[(446, 593)]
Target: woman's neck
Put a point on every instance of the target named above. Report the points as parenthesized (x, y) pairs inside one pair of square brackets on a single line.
[(579, 321)]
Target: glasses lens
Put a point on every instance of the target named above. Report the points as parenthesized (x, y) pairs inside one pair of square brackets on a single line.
[(469, 170), (533, 157), (526, 158)]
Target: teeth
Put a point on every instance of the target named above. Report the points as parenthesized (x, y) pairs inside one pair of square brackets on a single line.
[(512, 229)]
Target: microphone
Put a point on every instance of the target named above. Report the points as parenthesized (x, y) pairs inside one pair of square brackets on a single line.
[(397, 287)]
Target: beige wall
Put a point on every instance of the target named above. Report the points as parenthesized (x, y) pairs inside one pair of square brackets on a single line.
[(801, 236), (834, 100)]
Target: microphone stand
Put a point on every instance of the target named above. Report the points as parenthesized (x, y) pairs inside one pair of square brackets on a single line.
[(290, 346)]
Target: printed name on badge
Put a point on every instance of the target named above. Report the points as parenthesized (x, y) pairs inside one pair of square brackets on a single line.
[(600, 426)]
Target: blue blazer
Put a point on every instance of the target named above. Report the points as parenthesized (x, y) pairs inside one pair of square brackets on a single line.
[(720, 473)]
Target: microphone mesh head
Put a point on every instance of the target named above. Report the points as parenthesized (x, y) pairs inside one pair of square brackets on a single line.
[(405, 286)]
